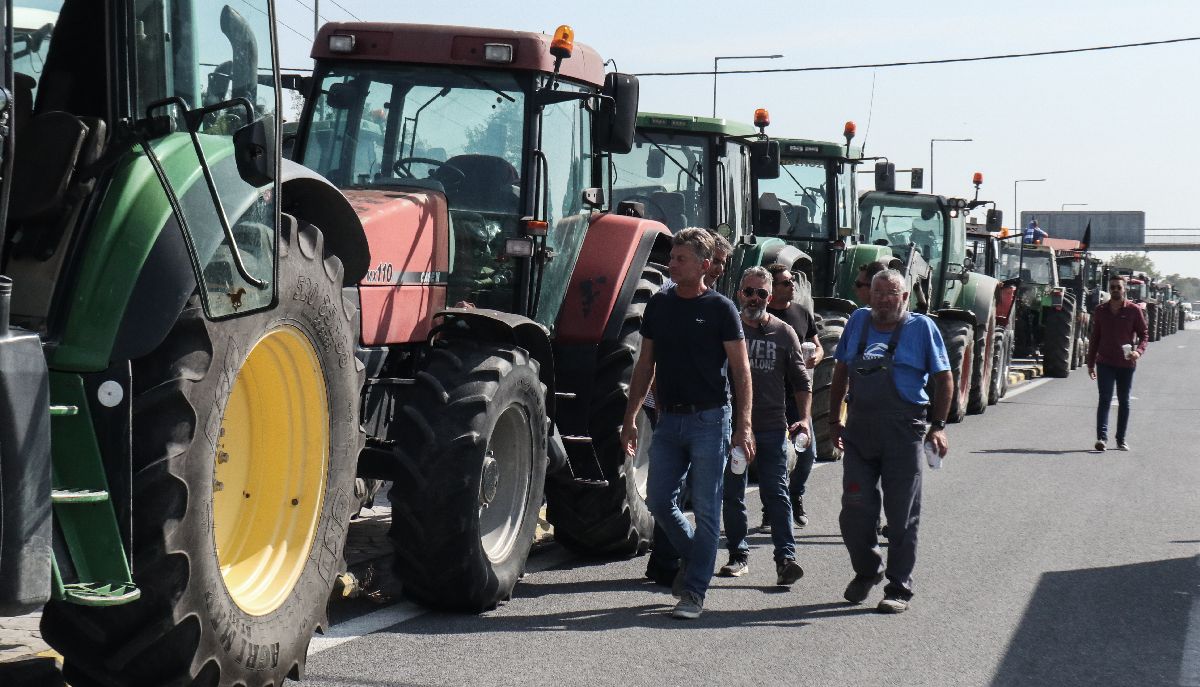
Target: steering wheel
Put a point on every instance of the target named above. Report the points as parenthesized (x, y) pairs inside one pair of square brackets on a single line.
[(401, 165)]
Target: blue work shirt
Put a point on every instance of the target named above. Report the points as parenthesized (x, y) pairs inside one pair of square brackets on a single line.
[(919, 353)]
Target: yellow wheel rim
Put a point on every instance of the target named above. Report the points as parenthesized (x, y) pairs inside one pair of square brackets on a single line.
[(269, 470)]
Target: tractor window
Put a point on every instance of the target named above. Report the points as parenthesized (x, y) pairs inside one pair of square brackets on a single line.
[(213, 55), (897, 221), (1008, 262), (33, 23), (457, 131), (567, 144), (1068, 270), (735, 188), (665, 173), (1037, 269), (801, 189)]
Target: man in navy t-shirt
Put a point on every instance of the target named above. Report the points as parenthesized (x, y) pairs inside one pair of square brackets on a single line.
[(688, 334)]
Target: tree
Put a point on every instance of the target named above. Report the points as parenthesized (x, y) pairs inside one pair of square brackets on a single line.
[(1189, 287), (1139, 262)]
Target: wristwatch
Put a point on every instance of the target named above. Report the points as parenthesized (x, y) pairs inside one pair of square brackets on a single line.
[(937, 424)]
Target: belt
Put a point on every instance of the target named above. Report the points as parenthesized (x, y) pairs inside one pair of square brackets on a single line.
[(688, 408)]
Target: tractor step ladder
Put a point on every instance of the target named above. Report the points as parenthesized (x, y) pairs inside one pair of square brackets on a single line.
[(583, 481)]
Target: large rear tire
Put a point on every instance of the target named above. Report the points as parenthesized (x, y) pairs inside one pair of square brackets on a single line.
[(1058, 335), (245, 441), (830, 330), (471, 471), (981, 372), (959, 339), (1152, 316), (613, 520), (1009, 343)]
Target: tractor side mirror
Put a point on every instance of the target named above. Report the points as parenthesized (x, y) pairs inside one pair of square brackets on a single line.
[(918, 178), (656, 163), (617, 115), (250, 151), (342, 96), (771, 219), (885, 176), (764, 159), (995, 219)]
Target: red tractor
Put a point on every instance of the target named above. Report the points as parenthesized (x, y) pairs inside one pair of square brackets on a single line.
[(477, 161)]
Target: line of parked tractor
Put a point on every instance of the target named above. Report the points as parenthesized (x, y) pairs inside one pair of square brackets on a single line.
[(226, 334)]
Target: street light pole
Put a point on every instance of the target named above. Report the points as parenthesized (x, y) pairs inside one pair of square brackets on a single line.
[(931, 142), (1016, 214), (1064, 206), (734, 57)]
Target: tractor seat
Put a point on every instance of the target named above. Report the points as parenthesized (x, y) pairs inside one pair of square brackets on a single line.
[(486, 183), (670, 203)]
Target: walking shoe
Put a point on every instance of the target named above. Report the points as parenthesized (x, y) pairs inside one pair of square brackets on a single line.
[(1100, 445), (1122, 446), (689, 607), (765, 527), (860, 587), (677, 585), (736, 567), (798, 515), (788, 572), (893, 603), (661, 574)]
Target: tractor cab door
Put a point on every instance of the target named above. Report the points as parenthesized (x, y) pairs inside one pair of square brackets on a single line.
[(6, 107), (205, 97)]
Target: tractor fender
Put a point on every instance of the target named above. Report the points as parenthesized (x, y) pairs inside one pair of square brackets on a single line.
[(606, 275), (979, 297), (309, 196), (957, 314), (827, 303)]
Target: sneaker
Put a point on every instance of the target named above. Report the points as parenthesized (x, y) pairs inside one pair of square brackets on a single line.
[(765, 527), (893, 603), (736, 567), (798, 515), (1100, 445), (788, 572), (860, 587), (677, 585), (689, 607), (1122, 446)]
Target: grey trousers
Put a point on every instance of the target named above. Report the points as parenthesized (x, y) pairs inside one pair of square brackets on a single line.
[(883, 450)]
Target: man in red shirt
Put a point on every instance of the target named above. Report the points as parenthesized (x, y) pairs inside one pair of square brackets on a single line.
[(1115, 325)]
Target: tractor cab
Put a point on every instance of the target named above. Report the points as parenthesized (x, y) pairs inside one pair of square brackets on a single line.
[(499, 125)]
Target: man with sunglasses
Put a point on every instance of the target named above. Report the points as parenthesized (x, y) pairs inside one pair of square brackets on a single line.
[(886, 356), (689, 333), (784, 306), (1115, 324), (775, 355)]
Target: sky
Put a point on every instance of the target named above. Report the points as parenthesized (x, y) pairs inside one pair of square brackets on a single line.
[(1116, 130)]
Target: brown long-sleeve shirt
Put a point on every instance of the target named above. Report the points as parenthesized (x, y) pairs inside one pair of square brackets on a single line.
[(1111, 330)]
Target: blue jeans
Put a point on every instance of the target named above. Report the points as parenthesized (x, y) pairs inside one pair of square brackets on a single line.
[(697, 443), (771, 459), (1106, 377)]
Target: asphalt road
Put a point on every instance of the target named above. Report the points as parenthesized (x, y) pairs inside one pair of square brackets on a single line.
[(1041, 562)]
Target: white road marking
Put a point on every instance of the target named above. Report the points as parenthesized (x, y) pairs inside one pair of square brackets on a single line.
[(1189, 664), (405, 610), (1026, 387)]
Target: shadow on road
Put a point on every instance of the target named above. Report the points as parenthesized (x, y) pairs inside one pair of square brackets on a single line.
[(1124, 625), (1035, 451)]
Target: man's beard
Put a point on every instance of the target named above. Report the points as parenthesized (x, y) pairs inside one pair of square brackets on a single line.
[(754, 314), (887, 316)]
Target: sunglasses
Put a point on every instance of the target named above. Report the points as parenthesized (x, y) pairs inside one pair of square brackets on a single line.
[(751, 292)]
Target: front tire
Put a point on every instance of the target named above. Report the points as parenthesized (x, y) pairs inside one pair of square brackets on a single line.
[(1058, 335), (245, 441), (981, 372), (471, 471), (830, 331), (999, 367)]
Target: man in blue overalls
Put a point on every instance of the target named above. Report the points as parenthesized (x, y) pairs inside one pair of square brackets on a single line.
[(887, 355)]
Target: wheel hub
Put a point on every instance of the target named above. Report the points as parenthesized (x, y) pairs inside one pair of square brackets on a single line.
[(489, 483)]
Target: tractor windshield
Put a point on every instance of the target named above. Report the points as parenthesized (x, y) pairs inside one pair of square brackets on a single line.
[(802, 190), (665, 172), (1037, 269), (1137, 290), (899, 220), (1008, 261)]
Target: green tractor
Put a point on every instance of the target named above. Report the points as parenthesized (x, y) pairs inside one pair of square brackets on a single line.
[(1046, 323), (1081, 275), (811, 206), (998, 255), (924, 236), (179, 418)]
